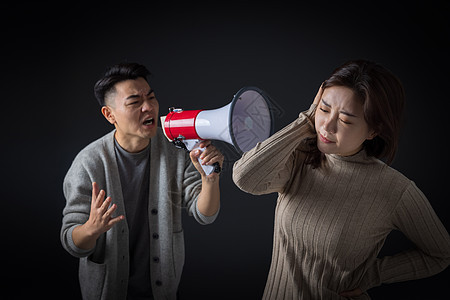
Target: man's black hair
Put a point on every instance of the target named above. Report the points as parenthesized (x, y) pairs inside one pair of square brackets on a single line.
[(117, 73)]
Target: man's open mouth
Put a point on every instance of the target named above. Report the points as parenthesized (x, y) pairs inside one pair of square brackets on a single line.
[(148, 121)]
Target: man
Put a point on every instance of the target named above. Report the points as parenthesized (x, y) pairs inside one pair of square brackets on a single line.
[(131, 244)]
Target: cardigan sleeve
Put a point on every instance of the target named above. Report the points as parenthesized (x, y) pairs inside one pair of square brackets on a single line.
[(192, 186), (268, 166), (77, 189), (416, 219)]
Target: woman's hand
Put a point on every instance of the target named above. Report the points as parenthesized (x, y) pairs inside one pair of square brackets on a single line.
[(318, 95)]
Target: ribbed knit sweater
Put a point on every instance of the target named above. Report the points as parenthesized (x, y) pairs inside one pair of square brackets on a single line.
[(331, 221)]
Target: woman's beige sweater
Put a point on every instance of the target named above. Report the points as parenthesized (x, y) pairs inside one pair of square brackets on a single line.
[(331, 222)]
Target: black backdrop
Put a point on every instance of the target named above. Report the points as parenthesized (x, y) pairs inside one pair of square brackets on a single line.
[(200, 55)]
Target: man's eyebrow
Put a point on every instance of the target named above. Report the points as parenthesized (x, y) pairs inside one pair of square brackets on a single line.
[(132, 96), (342, 111), (137, 95)]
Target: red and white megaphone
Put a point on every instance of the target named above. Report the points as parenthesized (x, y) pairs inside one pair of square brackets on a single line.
[(244, 122)]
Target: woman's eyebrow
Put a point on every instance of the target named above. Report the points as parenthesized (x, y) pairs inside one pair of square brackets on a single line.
[(347, 114), (325, 103), (341, 111)]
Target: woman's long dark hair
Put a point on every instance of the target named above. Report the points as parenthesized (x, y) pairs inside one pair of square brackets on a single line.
[(383, 99)]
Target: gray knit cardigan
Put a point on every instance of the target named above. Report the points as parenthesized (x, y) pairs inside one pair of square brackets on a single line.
[(174, 184)]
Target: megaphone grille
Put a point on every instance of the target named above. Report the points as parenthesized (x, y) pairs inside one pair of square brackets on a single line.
[(251, 118)]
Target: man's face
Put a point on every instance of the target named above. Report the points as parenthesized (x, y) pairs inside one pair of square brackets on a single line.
[(133, 110)]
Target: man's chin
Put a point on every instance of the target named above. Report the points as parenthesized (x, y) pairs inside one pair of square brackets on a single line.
[(150, 134)]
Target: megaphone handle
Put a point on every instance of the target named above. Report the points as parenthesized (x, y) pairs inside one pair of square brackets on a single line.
[(207, 168), (193, 145)]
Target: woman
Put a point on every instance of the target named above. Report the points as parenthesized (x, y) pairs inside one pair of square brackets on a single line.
[(337, 200)]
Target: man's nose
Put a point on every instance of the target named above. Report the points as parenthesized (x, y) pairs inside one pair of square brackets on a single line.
[(147, 106)]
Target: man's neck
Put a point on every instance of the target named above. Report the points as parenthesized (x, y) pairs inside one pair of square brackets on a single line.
[(133, 144)]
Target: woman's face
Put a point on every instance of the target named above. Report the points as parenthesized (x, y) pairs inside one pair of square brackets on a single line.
[(340, 124)]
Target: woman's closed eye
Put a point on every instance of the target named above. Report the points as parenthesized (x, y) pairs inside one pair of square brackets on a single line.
[(345, 122)]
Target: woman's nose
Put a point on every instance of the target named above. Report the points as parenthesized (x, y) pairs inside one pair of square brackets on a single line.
[(330, 125)]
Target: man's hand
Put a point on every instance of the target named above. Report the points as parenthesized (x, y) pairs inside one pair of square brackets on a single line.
[(100, 220), (209, 156)]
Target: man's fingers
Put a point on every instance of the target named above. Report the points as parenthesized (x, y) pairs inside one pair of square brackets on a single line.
[(195, 153), (100, 218), (194, 156), (110, 210), (205, 144), (99, 200), (105, 204), (108, 216), (115, 220), (95, 191), (211, 156), (98, 196)]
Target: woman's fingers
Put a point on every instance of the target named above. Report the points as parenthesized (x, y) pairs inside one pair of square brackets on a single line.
[(318, 95)]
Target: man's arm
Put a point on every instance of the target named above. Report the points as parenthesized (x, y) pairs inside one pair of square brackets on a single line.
[(208, 202)]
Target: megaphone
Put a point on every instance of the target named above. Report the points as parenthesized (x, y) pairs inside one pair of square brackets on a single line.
[(244, 122)]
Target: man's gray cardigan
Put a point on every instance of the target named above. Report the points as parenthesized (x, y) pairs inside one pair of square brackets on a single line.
[(174, 184)]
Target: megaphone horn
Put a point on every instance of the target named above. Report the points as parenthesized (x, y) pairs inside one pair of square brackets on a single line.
[(244, 122)]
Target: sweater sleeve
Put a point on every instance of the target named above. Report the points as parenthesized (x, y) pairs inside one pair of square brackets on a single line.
[(416, 219), (268, 166)]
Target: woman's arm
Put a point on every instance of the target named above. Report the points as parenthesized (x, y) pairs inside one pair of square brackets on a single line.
[(268, 166), (416, 219)]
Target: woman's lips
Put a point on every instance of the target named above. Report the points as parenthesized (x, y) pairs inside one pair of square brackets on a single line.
[(324, 139)]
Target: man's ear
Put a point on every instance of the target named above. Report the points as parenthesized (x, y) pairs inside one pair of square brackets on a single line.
[(108, 114)]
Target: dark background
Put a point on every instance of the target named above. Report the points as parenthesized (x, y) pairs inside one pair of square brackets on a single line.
[(200, 55)]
